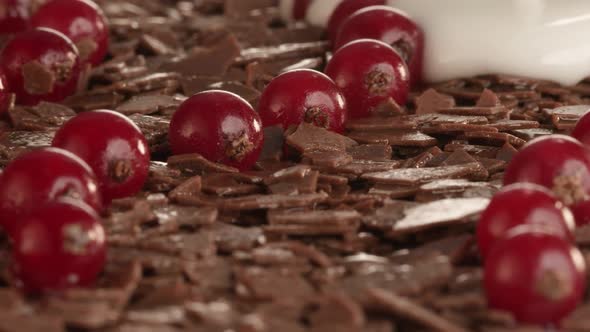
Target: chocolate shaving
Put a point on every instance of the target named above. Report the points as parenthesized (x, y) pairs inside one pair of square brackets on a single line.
[(404, 307), (38, 78), (432, 101)]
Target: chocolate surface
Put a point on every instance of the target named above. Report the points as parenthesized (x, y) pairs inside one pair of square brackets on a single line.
[(367, 231)]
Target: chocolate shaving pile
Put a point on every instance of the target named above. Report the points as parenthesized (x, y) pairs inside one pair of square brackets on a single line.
[(368, 231)]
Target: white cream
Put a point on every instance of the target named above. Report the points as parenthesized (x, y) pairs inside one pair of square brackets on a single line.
[(544, 39), (286, 10), (319, 11)]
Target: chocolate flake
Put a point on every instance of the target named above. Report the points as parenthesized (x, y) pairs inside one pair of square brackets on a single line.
[(258, 202), (439, 213), (432, 101), (308, 137), (195, 163), (488, 99), (406, 308), (413, 176), (38, 79)]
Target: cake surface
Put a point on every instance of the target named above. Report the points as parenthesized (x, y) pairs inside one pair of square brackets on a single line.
[(368, 231)]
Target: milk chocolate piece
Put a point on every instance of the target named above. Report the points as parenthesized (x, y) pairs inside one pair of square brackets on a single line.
[(14, 143), (439, 213), (148, 104), (488, 99), (394, 137), (260, 202), (432, 101), (44, 116), (195, 163), (373, 152), (404, 307), (566, 117), (413, 176), (213, 61), (309, 137)]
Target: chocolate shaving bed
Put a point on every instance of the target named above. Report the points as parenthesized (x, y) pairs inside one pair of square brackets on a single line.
[(371, 231)]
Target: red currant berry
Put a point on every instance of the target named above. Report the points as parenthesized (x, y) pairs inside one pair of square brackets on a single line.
[(6, 98), (58, 246), (369, 72), (300, 9), (41, 64), (522, 204), (537, 276), (82, 21), (42, 176), (557, 162), (343, 11), (219, 125), (303, 96), (582, 130), (113, 146), (14, 15), (392, 27), (581, 212)]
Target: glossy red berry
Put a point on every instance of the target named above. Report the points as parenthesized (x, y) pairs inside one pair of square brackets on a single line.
[(219, 125), (343, 11), (113, 146), (390, 26), (14, 15), (538, 277), (303, 96), (522, 204), (82, 21), (369, 72), (6, 98), (557, 162), (41, 64), (59, 245), (300, 9), (581, 212), (42, 176), (582, 130)]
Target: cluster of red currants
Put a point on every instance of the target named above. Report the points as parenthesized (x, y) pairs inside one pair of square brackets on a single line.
[(526, 235), (51, 199), (377, 56), (49, 48)]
